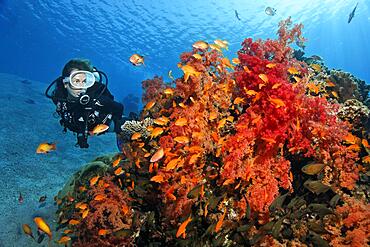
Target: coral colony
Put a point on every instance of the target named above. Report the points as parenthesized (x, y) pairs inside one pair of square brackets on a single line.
[(251, 151)]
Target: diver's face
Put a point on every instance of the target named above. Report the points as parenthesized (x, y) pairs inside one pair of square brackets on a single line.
[(78, 79)]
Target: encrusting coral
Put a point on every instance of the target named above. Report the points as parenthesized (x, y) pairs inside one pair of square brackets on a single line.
[(236, 153), (350, 87)]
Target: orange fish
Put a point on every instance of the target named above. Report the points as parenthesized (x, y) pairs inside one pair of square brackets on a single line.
[(335, 94), (182, 228), (149, 105), (313, 87), (250, 92), (118, 171), (212, 116), (246, 69), (124, 209), (157, 179), (156, 132), (206, 209), (197, 56), (366, 159), (351, 139), (181, 122), (298, 125), (355, 147), (98, 129), (313, 168), (157, 155), (116, 161), (27, 230), (269, 140), (222, 43), (220, 221), (168, 91), (81, 205), (85, 213), (201, 45), (215, 47), (225, 61), (264, 78), (293, 71), (136, 59), (171, 196), (365, 143), (330, 84), (194, 149), (276, 85), (197, 135), (73, 222), (46, 147), (99, 197), (93, 180), (172, 164), (182, 139), (316, 67), (82, 188), (277, 102), (238, 100), (161, 121), (193, 159), (228, 181), (235, 60), (102, 232), (189, 71), (64, 240), (221, 123), (270, 65), (67, 231), (43, 226), (135, 136)]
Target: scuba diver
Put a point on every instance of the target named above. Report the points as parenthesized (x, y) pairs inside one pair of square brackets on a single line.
[(83, 101)]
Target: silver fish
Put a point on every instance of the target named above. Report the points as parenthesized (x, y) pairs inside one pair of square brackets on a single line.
[(270, 11), (316, 186), (352, 14)]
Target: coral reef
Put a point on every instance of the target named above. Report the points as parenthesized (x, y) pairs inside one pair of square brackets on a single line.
[(234, 153), (355, 112), (132, 126), (350, 87), (351, 224)]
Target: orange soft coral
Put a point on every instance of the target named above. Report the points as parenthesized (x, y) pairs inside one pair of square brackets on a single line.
[(352, 222)]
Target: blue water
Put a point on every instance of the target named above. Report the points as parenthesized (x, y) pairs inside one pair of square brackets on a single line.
[(38, 37)]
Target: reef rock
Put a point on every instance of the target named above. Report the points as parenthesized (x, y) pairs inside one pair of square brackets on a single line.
[(355, 112), (350, 87), (91, 169), (130, 127)]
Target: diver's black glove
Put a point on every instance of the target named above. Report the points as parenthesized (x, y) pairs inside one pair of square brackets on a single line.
[(82, 141), (133, 116)]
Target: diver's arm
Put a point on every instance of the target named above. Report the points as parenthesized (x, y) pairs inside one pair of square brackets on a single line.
[(108, 105)]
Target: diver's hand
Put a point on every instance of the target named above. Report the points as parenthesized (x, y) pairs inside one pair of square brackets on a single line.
[(97, 102), (82, 142)]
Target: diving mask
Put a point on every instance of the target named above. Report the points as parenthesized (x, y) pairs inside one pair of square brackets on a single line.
[(80, 79)]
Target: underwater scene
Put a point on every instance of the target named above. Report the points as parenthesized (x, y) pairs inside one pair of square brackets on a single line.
[(185, 123)]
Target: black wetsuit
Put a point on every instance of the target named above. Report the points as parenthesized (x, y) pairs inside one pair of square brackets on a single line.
[(101, 109)]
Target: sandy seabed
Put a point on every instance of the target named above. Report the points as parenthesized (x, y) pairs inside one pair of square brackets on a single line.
[(26, 121)]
